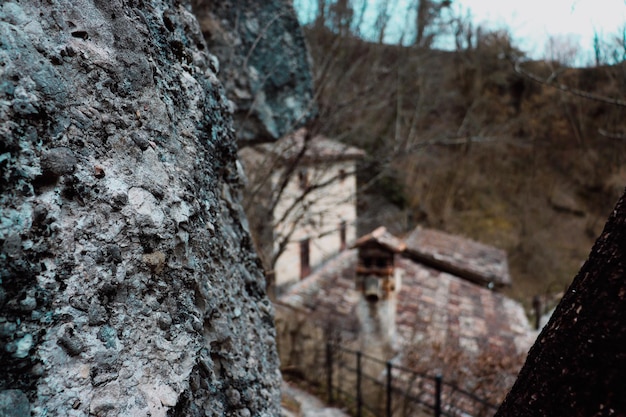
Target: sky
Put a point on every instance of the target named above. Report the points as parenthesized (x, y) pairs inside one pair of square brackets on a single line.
[(531, 23)]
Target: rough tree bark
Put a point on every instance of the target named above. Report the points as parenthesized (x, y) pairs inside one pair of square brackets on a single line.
[(128, 282), (577, 365)]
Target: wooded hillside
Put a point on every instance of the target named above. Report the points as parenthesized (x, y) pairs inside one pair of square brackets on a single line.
[(466, 142)]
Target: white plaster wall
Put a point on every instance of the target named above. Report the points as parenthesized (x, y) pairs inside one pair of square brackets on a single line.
[(317, 217)]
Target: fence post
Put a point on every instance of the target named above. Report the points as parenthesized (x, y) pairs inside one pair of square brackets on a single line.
[(438, 379), (389, 369), (329, 371), (359, 399), (537, 308)]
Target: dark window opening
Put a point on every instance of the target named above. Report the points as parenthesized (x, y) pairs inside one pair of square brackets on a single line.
[(342, 235), (305, 267), (381, 263), (303, 179)]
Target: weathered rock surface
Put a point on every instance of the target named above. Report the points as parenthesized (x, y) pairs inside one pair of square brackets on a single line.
[(128, 282), (264, 64)]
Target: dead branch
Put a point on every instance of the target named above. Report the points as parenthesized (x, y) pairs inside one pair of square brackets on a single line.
[(550, 81), (612, 135)]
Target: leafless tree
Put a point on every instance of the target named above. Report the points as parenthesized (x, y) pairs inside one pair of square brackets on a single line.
[(428, 20), (611, 50), (562, 49), (290, 188)]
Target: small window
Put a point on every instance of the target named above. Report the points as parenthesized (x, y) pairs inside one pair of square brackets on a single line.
[(342, 235), (305, 266), (303, 179)]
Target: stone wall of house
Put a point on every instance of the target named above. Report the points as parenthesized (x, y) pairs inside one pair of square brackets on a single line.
[(128, 283), (302, 338), (301, 334), (264, 64), (301, 342)]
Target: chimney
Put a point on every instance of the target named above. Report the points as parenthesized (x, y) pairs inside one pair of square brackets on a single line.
[(375, 273), (378, 281), (376, 276)]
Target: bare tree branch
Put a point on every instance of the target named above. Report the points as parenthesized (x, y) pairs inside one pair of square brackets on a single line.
[(612, 135), (580, 93)]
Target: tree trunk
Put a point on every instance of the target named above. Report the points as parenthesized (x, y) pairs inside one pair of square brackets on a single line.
[(577, 365)]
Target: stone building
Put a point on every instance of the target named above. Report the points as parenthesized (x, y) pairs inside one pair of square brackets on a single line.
[(430, 293), (301, 202)]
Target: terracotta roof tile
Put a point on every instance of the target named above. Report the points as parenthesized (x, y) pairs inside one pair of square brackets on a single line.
[(383, 238), (466, 258), (433, 305)]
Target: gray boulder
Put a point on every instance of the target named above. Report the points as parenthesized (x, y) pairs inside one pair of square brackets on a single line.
[(128, 282), (263, 62)]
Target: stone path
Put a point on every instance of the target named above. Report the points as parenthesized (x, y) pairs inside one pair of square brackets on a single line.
[(310, 406)]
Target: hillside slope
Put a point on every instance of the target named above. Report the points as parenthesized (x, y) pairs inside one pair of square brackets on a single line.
[(462, 142)]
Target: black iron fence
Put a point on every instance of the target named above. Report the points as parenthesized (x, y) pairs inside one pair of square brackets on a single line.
[(369, 386)]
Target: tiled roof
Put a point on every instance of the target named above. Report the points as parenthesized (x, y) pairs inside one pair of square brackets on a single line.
[(466, 258), (318, 148), (434, 305), (383, 238), (328, 293), (458, 314)]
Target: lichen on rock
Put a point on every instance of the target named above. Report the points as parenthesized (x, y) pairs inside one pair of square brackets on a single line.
[(129, 286), (264, 64)]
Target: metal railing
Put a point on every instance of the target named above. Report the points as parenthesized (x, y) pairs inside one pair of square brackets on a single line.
[(369, 386)]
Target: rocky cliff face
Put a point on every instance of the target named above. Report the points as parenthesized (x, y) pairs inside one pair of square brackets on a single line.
[(128, 282), (264, 62)]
